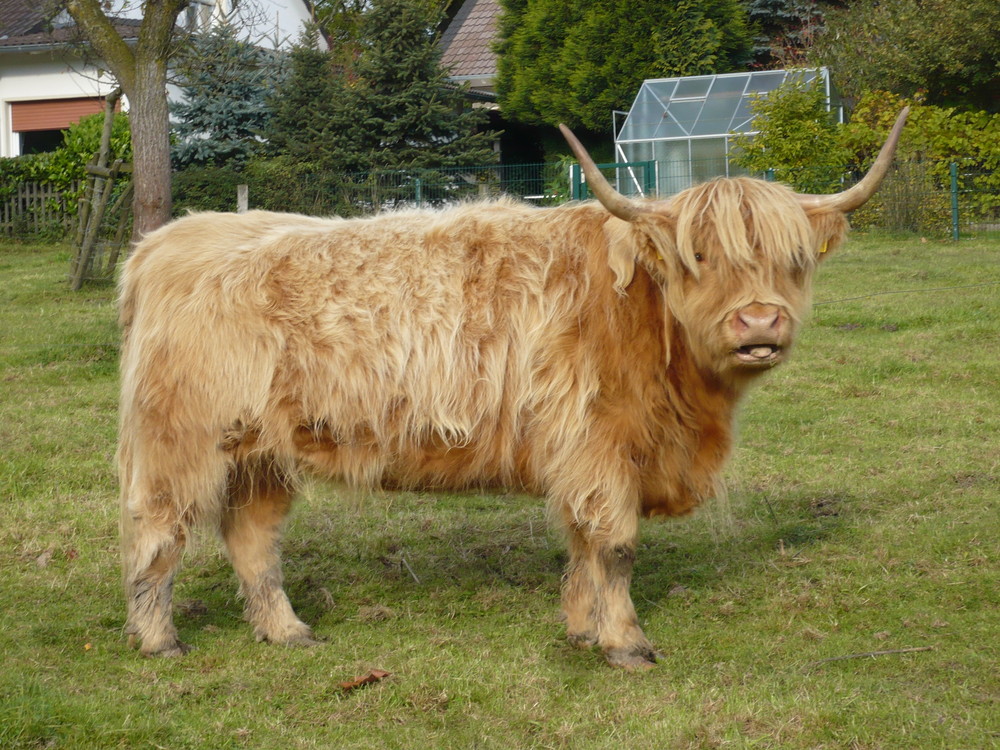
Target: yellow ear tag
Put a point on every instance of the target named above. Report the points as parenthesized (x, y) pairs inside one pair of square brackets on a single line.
[(823, 249)]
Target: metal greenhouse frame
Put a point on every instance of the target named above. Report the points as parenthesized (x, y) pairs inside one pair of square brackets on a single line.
[(685, 124)]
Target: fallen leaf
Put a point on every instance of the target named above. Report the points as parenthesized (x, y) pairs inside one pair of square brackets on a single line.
[(373, 676), (87, 647), (43, 559)]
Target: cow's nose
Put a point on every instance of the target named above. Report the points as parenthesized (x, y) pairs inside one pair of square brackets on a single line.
[(758, 319)]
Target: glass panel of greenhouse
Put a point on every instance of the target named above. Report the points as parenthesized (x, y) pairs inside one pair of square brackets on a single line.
[(685, 124)]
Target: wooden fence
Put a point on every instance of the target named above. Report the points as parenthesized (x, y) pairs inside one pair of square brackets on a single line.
[(36, 208)]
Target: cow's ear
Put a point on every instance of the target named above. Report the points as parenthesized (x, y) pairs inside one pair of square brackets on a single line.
[(622, 251), (829, 229)]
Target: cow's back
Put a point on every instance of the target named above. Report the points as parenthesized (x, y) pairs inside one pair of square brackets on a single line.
[(358, 343)]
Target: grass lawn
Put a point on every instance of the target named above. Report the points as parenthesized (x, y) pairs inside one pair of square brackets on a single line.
[(863, 516)]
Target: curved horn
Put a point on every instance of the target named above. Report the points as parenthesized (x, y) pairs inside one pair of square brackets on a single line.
[(855, 196), (610, 198)]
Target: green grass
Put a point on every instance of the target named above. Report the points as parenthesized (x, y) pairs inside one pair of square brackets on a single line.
[(862, 516)]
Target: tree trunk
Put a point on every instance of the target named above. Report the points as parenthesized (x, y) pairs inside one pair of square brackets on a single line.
[(149, 118), (142, 74)]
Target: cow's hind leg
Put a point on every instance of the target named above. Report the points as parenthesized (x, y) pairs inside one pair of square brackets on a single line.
[(151, 556), (259, 499), (596, 598), (160, 501)]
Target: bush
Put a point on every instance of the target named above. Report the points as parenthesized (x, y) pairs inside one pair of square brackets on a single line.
[(66, 167), (278, 184), (81, 141), (30, 168), (797, 138), (909, 200), (205, 189), (934, 138)]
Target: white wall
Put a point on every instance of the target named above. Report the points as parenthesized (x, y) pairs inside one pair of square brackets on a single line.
[(42, 75), (270, 23)]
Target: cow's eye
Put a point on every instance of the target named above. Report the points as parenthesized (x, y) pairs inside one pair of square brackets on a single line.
[(699, 257)]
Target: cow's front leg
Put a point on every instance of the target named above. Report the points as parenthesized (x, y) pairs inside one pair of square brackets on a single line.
[(596, 601)]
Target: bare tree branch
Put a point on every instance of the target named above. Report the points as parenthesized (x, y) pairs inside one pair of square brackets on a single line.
[(105, 39)]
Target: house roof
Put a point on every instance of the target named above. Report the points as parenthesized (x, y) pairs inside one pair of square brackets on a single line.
[(20, 17), (467, 43), (24, 23)]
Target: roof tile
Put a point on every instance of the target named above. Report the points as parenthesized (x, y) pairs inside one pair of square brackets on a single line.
[(467, 43)]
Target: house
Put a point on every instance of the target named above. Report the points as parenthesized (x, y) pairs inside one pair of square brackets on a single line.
[(467, 47), (467, 51), (49, 77)]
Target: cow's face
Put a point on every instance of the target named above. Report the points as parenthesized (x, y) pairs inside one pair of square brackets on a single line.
[(735, 261), (734, 257)]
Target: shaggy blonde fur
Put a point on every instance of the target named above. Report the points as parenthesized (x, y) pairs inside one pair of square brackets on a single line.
[(558, 351)]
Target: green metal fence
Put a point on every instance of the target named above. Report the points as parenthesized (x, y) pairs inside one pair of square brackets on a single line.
[(941, 199), (383, 190), (932, 198), (634, 179)]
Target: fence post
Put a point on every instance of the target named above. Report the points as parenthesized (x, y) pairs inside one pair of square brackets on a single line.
[(769, 175), (649, 179), (953, 168), (418, 186), (242, 198), (575, 182)]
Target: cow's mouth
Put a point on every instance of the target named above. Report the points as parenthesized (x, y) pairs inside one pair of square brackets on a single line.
[(758, 355)]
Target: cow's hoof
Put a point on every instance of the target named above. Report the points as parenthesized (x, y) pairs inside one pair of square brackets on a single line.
[(300, 636), (582, 640), (634, 659)]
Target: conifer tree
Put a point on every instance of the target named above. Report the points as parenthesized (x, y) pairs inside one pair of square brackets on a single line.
[(575, 61), (413, 115), (391, 108), (301, 104), (224, 82)]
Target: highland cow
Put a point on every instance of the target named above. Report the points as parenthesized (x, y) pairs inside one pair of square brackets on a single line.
[(592, 353)]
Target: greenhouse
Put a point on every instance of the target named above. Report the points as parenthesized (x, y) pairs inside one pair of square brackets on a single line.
[(684, 124)]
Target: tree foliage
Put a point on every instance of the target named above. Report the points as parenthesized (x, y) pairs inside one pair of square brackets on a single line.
[(225, 84), (410, 112), (932, 133), (948, 51), (785, 30), (797, 138), (300, 105), (934, 138), (576, 61), (799, 141), (392, 107)]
